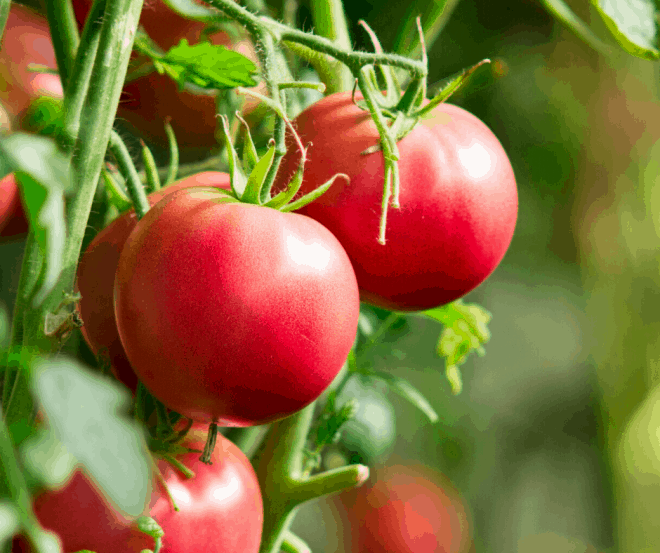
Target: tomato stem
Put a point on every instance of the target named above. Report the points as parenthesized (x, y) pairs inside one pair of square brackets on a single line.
[(64, 35), (210, 444), (129, 172)]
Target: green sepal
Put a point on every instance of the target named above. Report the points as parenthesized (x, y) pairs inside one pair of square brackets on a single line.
[(173, 169), (291, 190), (116, 195), (150, 168), (313, 195), (255, 181), (250, 156), (236, 176)]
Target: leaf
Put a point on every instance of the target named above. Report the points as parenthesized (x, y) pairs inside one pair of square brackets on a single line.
[(207, 66), (560, 10), (9, 521), (88, 414), (408, 392), (48, 459), (633, 24), (465, 330), (43, 174)]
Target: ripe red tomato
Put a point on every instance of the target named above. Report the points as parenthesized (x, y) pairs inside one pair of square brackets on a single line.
[(220, 510), (26, 41), (96, 278), (407, 510), (458, 201), (12, 216), (147, 101), (232, 312)]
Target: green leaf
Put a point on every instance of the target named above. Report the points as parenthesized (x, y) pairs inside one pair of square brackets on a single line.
[(43, 174), (4, 325), (465, 330), (207, 66), (408, 392), (48, 459), (561, 10), (633, 23), (9, 521), (89, 415)]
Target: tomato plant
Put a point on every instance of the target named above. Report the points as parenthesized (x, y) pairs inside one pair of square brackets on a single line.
[(231, 312), (407, 509), (220, 510), (96, 277), (26, 41), (148, 100), (458, 201)]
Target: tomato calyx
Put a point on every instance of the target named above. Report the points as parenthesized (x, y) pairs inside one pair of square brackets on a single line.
[(250, 179)]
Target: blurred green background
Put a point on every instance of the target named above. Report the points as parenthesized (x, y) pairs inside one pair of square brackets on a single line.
[(554, 441)]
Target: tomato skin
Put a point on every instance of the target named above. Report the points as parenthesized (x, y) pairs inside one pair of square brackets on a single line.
[(458, 201), (12, 216), (407, 509), (234, 312), (26, 41), (220, 510), (147, 101), (96, 277)]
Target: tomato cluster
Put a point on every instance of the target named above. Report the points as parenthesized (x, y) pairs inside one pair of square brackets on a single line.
[(241, 314)]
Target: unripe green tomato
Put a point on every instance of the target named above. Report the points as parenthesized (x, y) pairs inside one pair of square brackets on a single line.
[(371, 433)]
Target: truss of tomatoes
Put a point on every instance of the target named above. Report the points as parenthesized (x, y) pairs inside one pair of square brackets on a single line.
[(241, 314)]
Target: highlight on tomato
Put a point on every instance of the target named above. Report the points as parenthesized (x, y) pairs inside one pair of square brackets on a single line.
[(95, 279), (220, 510), (458, 200)]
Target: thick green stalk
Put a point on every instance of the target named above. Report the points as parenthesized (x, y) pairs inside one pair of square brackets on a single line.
[(284, 484), (108, 72), (64, 33), (330, 22), (75, 91)]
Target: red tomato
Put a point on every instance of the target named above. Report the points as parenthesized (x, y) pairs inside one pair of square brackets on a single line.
[(12, 216), (232, 312), (220, 510), (96, 278), (458, 201), (407, 510), (26, 41), (147, 101)]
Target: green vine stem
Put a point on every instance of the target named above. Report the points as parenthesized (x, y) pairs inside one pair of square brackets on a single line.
[(64, 33), (390, 153), (108, 70), (76, 87), (284, 486), (330, 22)]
